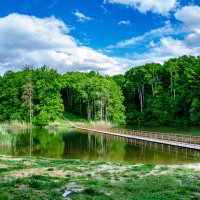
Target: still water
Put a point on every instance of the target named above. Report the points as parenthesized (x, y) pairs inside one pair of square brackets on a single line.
[(73, 144)]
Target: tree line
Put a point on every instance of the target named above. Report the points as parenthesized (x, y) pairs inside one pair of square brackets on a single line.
[(167, 94), (41, 95), (151, 94)]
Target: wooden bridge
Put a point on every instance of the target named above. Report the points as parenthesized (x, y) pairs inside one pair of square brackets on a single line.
[(184, 141)]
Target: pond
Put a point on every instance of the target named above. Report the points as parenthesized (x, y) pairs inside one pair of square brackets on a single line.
[(74, 144)]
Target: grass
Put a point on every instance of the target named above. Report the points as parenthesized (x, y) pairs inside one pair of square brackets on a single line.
[(15, 124), (78, 120), (58, 123), (75, 119), (5, 138), (40, 178)]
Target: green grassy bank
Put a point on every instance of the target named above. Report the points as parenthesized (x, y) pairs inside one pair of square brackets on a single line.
[(75, 119), (58, 123), (40, 178)]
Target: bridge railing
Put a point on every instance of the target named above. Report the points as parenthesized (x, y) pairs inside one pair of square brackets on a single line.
[(157, 135)]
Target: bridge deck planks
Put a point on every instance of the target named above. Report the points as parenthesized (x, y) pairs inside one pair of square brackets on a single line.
[(148, 139)]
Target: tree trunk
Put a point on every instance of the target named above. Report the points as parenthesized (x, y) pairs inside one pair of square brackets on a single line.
[(88, 110), (152, 87), (101, 109), (30, 107), (141, 98), (94, 109)]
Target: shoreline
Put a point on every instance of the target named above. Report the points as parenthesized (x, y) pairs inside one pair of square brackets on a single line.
[(22, 125)]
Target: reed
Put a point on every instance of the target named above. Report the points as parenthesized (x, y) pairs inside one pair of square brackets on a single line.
[(5, 138), (16, 124)]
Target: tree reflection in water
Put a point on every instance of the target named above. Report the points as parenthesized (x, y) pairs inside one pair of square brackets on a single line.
[(73, 144)]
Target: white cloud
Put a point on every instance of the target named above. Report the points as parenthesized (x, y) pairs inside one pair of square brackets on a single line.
[(105, 11), (166, 48), (190, 16), (156, 6), (27, 40), (81, 17), (174, 48), (124, 22), (152, 44), (148, 36), (193, 39)]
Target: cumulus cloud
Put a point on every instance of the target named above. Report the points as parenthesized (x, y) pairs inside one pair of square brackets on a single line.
[(156, 6), (190, 16), (193, 39), (164, 49), (124, 22), (27, 40), (81, 17), (174, 48)]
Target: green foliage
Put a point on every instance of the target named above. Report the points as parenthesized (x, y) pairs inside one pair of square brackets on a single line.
[(42, 119), (46, 101), (143, 168), (163, 94), (195, 111), (93, 97)]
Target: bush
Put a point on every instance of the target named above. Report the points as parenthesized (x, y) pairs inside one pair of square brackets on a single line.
[(42, 119)]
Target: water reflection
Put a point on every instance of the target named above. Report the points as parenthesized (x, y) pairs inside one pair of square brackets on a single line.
[(72, 144), (38, 142)]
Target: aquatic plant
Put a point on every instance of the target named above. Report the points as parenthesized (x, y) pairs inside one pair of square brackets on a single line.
[(5, 138)]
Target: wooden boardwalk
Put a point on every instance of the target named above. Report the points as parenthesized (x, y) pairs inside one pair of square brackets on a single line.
[(189, 142)]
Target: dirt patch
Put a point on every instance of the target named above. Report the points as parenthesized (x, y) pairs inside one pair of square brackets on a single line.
[(11, 159), (195, 166), (74, 186), (26, 172), (111, 169), (29, 163), (192, 166), (3, 166), (171, 169), (60, 173), (22, 187), (42, 172)]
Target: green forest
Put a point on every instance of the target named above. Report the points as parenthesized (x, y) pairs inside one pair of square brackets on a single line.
[(151, 94)]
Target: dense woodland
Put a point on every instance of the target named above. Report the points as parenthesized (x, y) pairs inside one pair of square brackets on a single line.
[(152, 94), (34, 92), (167, 94), (93, 96), (41, 95)]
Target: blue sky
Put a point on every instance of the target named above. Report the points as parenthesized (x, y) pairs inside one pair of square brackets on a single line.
[(110, 36)]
